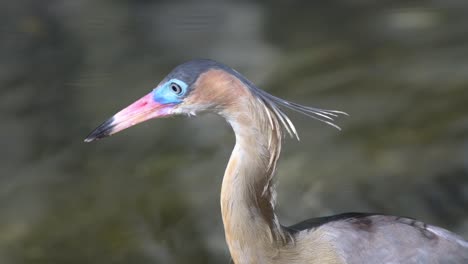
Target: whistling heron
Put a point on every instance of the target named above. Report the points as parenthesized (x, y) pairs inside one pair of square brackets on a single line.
[(253, 231)]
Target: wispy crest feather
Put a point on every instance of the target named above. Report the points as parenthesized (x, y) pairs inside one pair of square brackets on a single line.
[(275, 104)]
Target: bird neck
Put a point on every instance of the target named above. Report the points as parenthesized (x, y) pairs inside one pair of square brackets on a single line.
[(248, 195)]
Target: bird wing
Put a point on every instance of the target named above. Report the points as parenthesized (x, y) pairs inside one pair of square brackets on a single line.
[(376, 238)]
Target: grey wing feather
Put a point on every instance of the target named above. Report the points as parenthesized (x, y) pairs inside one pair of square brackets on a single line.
[(373, 238)]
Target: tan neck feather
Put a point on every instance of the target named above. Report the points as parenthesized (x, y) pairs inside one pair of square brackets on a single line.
[(247, 195)]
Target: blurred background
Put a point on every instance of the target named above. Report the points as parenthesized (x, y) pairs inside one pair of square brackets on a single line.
[(151, 194)]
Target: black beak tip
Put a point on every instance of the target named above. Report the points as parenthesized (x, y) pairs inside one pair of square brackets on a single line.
[(102, 131), (90, 139)]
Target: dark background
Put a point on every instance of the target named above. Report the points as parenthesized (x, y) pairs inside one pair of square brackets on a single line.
[(151, 194)]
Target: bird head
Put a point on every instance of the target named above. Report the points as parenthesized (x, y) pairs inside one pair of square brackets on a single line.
[(205, 85), (178, 93)]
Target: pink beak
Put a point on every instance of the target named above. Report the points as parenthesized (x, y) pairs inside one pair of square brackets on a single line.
[(143, 109)]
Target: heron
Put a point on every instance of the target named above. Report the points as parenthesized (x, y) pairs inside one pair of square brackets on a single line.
[(253, 232)]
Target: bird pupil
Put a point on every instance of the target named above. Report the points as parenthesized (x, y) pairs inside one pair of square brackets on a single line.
[(176, 88)]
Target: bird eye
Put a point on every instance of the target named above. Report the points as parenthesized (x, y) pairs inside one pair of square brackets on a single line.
[(176, 88)]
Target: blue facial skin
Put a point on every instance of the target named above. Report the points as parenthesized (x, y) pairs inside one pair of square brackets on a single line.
[(165, 95)]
